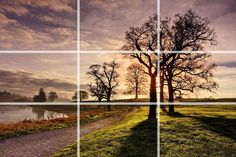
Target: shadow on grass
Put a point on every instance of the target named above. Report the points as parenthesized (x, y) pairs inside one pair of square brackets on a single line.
[(223, 126), (142, 142), (220, 125)]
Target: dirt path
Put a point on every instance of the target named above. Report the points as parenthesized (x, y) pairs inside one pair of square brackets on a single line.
[(99, 124), (38, 145)]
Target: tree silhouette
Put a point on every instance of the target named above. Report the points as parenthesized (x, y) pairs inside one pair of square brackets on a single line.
[(41, 97), (74, 97), (143, 40), (185, 71), (52, 96), (136, 79), (107, 75), (97, 90), (83, 95)]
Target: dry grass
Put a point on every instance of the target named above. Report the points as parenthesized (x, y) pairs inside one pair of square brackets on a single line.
[(34, 126)]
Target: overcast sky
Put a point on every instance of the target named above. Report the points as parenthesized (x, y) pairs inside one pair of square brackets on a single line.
[(38, 25), (26, 73), (103, 23), (221, 14)]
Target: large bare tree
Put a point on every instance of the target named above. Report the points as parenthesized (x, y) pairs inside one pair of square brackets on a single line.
[(136, 80), (143, 40), (185, 71)]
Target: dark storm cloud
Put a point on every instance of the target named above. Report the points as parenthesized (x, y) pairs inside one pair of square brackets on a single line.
[(104, 22), (38, 25), (228, 64), (16, 81)]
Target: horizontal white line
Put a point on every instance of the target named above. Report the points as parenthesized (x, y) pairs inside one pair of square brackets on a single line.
[(198, 103), (43, 52), (117, 103), (224, 52), (117, 51), (37, 103)]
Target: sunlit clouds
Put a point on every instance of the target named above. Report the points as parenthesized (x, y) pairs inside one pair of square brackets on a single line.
[(104, 22), (38, 25)]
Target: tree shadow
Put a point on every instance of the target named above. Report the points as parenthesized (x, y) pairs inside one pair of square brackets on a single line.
[(142, 142), (220, 125)]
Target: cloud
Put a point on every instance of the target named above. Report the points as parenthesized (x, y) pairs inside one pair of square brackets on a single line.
[(29, 82), (220, 13), (38, 25), (104, 22)]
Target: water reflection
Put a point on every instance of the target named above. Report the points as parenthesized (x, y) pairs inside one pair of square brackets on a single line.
[(20, 113)]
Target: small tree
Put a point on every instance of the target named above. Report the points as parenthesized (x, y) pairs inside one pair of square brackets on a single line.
[(41, 97), (52, 96), (74, 97), (97, 90), (83, 95), (136, 80)]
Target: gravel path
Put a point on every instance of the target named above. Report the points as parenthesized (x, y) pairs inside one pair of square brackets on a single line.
[(38, 145), (99, 124)]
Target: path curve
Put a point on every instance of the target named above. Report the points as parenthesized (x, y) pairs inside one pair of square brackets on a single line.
[(38, 145), (99, 124)]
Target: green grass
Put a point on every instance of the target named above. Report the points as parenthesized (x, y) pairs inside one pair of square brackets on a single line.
[(90, 113), (199, 131), (69, 151), (134, 136)]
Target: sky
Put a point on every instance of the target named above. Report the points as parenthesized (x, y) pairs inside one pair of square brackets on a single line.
[(38, 25), (26, 73), (103, 23), (221, 14)]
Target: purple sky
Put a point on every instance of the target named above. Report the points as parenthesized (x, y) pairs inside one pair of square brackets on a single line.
[(104, 22), (26, 73), (38, 25), (221, 14)]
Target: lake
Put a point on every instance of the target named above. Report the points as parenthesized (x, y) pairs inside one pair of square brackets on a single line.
[(19, 113)]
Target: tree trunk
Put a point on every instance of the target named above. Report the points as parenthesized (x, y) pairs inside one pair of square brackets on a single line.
[(171, 95), (136, 94), (153, 97), (108, 100), (162, 88), (108, 107)]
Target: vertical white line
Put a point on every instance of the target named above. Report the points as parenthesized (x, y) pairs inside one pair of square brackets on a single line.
[(158, 76), (78, 77)]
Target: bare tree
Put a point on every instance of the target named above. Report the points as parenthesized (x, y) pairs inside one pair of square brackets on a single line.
[(107, 75), (136, 80), (97, 90), (52, 96), (143, 40), (83, 95), (185, 71)]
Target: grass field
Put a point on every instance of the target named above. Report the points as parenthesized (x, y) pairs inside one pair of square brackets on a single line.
[(134, 136), (199, 131), (89, 113)]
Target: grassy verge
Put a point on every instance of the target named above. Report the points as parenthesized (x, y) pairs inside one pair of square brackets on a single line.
[(33, 126), (69, 151), (89, 113), (134, 136), (199, 131)]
